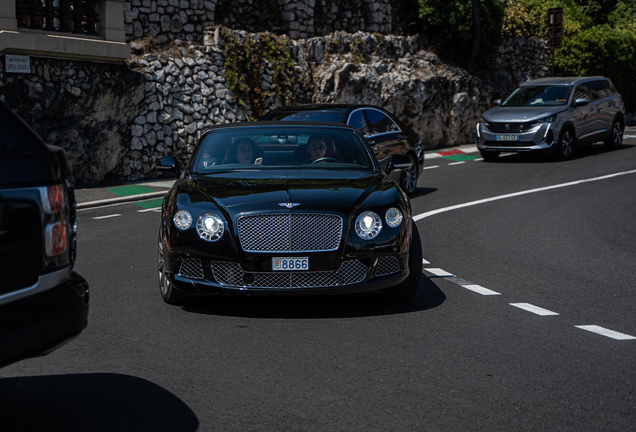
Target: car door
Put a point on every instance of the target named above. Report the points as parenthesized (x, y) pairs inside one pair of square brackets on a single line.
[(583, 116), (385, 136), (602, 116)]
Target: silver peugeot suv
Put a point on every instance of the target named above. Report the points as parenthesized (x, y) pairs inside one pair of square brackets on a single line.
[(553, 115)]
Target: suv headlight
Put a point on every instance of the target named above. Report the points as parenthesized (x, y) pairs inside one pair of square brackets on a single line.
[(545, 120), (368, 225)]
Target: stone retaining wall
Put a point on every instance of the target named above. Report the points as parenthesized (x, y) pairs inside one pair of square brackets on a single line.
[(116, 121)]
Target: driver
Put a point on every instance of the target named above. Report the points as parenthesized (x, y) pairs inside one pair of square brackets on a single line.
[(317, 148)]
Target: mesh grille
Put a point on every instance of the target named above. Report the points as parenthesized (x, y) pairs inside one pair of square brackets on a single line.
[(231, 274), (387, 265), (191, 268), (290, 232)]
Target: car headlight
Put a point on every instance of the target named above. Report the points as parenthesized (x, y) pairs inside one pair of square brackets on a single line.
[(210, 227), (545, 120), (368, 225), (182, 219), (393, 217)]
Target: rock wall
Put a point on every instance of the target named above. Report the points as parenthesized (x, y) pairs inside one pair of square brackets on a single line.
[(166, 20), (116, 121)]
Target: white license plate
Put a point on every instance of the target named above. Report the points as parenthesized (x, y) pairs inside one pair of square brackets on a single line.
[(506, 137), (290, 264)]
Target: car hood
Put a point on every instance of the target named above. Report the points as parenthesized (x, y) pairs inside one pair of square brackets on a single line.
[(262, 191), (500, 114)]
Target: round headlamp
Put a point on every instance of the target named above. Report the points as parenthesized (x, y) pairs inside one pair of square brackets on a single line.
[(393, 217), (182, 219), (210, 227), (368, 225)]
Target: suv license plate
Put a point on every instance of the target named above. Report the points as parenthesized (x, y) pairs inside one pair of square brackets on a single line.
[(290, 264), (506, 137)]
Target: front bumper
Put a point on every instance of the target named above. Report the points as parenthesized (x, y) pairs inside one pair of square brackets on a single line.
[(38, 324), (201, 277), (539, 138)]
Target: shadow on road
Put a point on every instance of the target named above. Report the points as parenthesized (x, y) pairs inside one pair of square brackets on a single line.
[(579, 153), (343, 306), (91, 402)]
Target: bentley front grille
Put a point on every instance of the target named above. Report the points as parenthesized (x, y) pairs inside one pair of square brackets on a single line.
[(191, 268), (387, 265), (230, 274), (290, 232)]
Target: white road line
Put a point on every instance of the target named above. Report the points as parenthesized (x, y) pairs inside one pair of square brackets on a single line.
[(511, 195), (108, 216), (629, 136), (148, 210), (480, 290), (478, 160), (424, 261), (439, 272), (456, 163), (605, 332), (534, 309), (431, 167)]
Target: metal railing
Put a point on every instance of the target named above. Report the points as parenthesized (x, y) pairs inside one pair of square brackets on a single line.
[(64, 16)]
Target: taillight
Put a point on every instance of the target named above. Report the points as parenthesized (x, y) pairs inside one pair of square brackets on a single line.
[(56, 239), (56, 198)]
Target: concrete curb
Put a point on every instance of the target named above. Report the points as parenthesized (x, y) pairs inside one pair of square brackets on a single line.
[(119, 200)]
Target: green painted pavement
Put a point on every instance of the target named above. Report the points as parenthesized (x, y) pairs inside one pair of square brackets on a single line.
[(152, 203), (460, 157), (124, 191)]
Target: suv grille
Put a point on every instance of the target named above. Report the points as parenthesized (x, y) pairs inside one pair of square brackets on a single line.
[(510, 127), (231, 274), (290, 232)]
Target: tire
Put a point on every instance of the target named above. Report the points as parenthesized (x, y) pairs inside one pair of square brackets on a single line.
[(169, 294), (615, 140), (565, 145), (408, 180), (407, 290), (489, 156)]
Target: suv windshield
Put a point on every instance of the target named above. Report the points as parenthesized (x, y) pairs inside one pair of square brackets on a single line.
[(539, 96), (276, 148)]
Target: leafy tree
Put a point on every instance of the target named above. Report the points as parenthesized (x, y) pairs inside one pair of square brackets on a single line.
[(449, 25), (599, 38)]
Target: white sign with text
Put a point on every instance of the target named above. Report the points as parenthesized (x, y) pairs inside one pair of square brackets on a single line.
[(17, 63)]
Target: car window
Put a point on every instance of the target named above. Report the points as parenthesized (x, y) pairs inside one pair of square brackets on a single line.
[(268, 147), (380, 122), (597, 90), (318, 116), (356, 119), (608, 88), (581, 92), (539, 96)]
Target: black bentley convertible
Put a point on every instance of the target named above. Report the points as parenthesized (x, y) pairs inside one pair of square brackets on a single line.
[(279, 208)]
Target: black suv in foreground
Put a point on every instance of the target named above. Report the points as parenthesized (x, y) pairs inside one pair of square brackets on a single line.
[(43, 303)]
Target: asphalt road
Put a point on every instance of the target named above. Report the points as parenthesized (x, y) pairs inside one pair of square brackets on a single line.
[(496, 340)]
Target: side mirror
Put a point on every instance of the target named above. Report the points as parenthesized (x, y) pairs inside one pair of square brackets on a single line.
[(497, 101), (399, 162), (581, 102), (168, 164)]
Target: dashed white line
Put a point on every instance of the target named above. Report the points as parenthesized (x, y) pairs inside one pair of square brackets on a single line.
[(500, 197), (605, 332), (478, 160), (480, 290), (107, 216), (456, 163), (534, 309), (431, 167), (439, 272), (424, 261), (149, 210)]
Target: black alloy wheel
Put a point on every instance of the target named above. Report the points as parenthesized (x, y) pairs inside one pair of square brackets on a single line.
[(407, 290), (565, 145), (408, 180), (168, 293), (615, 140)]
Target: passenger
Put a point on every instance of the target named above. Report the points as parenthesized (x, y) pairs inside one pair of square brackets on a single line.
[(244, 151)]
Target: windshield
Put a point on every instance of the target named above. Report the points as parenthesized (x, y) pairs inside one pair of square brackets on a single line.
[(314, 116), (539, 96), (258, 148)]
